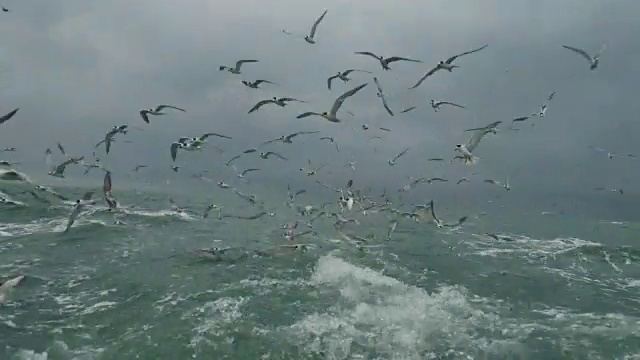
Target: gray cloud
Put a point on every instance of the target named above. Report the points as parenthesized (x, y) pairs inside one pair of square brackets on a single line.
[(76, 69)]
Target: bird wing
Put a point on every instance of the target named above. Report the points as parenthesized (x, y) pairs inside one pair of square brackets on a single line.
[(174, 150), (329, 80), (522, 118), (402, 153), (307, 114), (291, 99), (233, 158), (258, 82), (8, 116), (407, 109), (314, 27), (384, 103), (340, 100), (161, 107), (260, 104), (582, 53), (423, 78), (249, 170), (398, 58), (452, 104), (375, 80), (347, 72), (203, 137), (475, 139), (61, 149), (144, 115), (276, 155), (452, 59), (368, 54), (240, 62)]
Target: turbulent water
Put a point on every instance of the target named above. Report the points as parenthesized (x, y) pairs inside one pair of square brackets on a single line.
[(129, 285)]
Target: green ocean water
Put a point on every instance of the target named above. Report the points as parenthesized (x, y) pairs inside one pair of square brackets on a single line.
[(558, 286)]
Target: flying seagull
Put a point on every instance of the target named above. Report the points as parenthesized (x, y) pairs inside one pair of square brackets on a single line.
[(146, 112), (436, 104), (244, 172), (236, 69), (385, 62), (332, 114), (439, 222), (8, 116), (344, 76), (58, 170), (287, 139), (255, 84), (282, 102), (610, 155), (593, 60), (265, 155), (506, 185), (311, 37), (393, 161), (331, 140), (380, 95), (446, 65), (466, 149)]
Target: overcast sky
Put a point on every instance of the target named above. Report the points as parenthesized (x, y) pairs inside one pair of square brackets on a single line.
[(76, 68)]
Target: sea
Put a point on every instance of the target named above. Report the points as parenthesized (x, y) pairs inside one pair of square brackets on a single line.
[(554, 283)]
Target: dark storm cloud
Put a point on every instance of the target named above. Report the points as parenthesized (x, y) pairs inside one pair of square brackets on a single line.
[(77, 68)]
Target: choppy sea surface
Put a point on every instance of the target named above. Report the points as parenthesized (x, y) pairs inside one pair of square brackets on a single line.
[(129, 285)]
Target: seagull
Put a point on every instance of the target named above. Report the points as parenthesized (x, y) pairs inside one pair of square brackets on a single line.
[(9, 149), (282, 102), (545, 106), (436, 105), (610, 155), (108, 138), (332, 114), (9, 115), (385, 62), (77, 208), (380, 95), (286, 139), (8, 285), (266, 155), (446, 65), (236, 69), (310, 38), (222, 185), (466, 149), (311, 171), (462, 180), (255, 84), (343, 76), (244, 172), (212, 207), (199, 141), (331, 140), (593, 60), (439, 223), (58, 170), (393, 161), (506, 185)]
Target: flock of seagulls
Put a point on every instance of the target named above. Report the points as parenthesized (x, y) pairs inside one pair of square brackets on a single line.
[(350, 199)]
